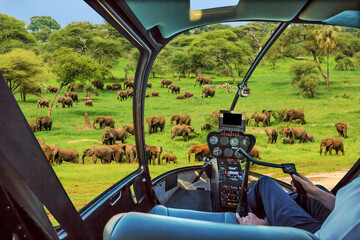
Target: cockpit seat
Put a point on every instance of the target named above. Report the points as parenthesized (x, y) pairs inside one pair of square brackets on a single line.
[(140, 226), (220, 217)]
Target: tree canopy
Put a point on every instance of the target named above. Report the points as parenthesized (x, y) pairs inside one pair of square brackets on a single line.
[(38, 23)]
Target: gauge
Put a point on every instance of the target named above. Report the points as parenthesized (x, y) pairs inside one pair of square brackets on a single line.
[(217, 151), (228, 152), (214, 140), (238, 155), (245, 142), (224, 141), (234, 142)]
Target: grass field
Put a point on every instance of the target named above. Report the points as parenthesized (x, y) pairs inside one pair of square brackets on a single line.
[(270, 90)]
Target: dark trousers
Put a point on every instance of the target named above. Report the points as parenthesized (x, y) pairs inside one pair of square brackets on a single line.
[(267, 199)]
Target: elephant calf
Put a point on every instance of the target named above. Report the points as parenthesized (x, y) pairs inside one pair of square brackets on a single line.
[(155, 93), (122, 95), (272, 134), (169, 158), (181, 96), (341, 128), (89, 103), (259, 118), (199, 150), (310, 137), (188, 94), (330, 144), (32, 126), (255, 153)]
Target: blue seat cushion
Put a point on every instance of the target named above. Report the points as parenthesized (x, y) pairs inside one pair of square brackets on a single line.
[(220, 217)]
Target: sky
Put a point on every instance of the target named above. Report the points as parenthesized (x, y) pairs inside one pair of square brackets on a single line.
[(66, 11)]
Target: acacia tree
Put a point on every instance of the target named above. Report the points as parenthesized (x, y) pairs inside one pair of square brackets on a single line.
[(326, 38), (22, 69), (38, 23)]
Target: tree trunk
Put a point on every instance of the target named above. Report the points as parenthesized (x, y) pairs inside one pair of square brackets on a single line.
[(328, 68), (231, 71), (52, 101), (178, 77), (322, 72)]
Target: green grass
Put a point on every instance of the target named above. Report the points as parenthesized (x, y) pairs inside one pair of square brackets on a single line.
[(270, 90)]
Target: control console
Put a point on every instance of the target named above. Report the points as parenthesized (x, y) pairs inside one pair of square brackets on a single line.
[(223, 146)]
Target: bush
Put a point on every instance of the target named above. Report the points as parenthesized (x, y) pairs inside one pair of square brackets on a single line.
[(345, 63), (90, 90), (305, 78), (278, 114)]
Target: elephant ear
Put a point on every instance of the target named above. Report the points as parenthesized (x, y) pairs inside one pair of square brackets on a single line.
[(156, 120), (188, 129), (328, 142), (111, 134)]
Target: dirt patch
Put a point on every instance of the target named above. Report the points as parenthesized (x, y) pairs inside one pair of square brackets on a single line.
[(255, 131), (83, 140), (345, 84), (325, 124), (328, 180)]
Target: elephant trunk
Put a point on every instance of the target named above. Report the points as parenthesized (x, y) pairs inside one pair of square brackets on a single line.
[(321, 148), (189, 157), (83, 156), (196, 132), (94, 124)]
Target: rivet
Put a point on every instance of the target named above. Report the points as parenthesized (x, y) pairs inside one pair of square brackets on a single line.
[(143, 180)]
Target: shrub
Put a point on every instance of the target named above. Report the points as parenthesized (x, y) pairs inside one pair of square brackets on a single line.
[(345, 63), (305, 78), (90, 90), (278, 114)]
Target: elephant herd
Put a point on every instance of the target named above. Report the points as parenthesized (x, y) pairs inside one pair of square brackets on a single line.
[(41, 123)]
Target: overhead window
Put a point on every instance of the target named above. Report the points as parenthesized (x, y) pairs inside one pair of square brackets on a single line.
[(210, 4)]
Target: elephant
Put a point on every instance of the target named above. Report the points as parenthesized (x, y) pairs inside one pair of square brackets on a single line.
[(294, 133), (41, 141), (149, 85), (131, 153), (32, 126), (155, 122), (47, 88), (104, 121), (205, 126), (89, 103), (182, 130), (247, 120), (147, 95), (68, 101), (169, 158), (155, 93), (35, 88), (188, 94), (129, 128), (103, 152), (341, 128), (208, 92), (48, 153), (174, 88), (71, 87), (53, 89), (330, 144), (199, 150), (310, 137), (64, 154), (122, 95), (108, 137), (255, 153), (109, 87), (259, 117), (98, 84), (86, 99), (43, 102), (292, 114), (203, 80), (128, 84), (120, 133), (166, 82), (268, 114), (181, 96), (181, 119), (153, 152), (116, 86), (73, 95), (130, 93), (272, 134), (43, 122), (119, 152), (215, 115)]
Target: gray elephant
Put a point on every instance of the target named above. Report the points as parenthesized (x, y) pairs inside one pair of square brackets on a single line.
[(181, 96), (272, 134), (108, 137), (155, 122), (122, 95), (181, 119), (119, 133), (43, 102), (119, 152), (64, 154), (153, 152), (205, 126), (116, 86), (310, 137), (148, 85), (130, 93), (188, 94), (259, 118), (65, 101), (43, 122), (169, 158), (32, 126), (52, 89), (292, 114), (73, 96), (129, 128), (89, 103), (98, 84), (341, 128), (268, 115), (330, 144), (104, 153), (174, 88), (182, 130), (155, 93), (165, 82), (203, 80), (294, 133), (71, 87), (131, 153), (48, 153), (104, 121), (208, 92)]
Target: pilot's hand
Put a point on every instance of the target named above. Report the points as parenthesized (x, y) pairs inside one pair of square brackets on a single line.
[(309, 187), (250, 219)]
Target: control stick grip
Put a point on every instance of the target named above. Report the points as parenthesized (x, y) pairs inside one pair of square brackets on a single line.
[(299, 188)]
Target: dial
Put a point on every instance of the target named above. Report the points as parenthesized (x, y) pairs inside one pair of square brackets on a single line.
[(214, 140), (238, 155), (224, 141), (234, 142), (245, 142), (228, 152), (217, 151)]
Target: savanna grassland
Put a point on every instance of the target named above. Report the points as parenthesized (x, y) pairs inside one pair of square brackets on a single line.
[(270, 90)]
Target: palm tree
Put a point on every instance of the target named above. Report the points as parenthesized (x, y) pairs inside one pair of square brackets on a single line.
[(326, 38)]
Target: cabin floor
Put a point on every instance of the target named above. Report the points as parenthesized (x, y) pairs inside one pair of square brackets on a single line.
[(199, 200)]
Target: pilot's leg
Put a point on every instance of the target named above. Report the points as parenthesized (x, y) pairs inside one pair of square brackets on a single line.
[(267, 198)]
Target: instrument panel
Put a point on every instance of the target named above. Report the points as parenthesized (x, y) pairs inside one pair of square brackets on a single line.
[(223, 146)]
